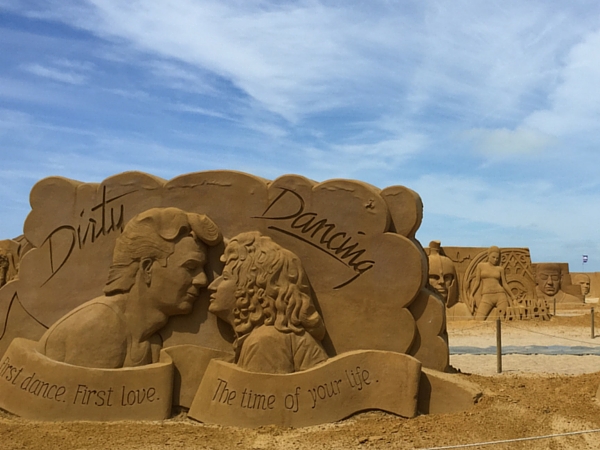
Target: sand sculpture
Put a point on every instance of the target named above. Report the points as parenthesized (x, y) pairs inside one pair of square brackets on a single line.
[(548, 278), (263, 293), (523, 303), (9, 260), (442, 274), (490, 288), (3, 268), (584, 281), (157, 272), (318, 308)]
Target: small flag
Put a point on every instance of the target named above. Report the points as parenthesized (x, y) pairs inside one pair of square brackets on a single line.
[(585, 258)]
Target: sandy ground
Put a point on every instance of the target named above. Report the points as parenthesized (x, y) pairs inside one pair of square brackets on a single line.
[(562, 331), (535, 396)]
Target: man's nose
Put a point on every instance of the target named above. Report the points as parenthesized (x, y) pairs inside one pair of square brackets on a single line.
[(200, 280)]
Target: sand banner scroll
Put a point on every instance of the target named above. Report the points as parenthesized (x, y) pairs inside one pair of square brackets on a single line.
[(346, 384), (35, 387)]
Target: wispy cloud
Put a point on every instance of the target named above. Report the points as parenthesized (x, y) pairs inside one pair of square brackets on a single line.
[(505, 143), (56, 74), (575, 103), (197, 110)]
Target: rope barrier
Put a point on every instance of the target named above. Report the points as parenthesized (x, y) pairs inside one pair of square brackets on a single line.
[(507, 441), (476, 325), (551, 335), (512, 325)]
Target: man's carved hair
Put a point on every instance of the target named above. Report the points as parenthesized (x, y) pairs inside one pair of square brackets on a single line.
[(153, 234), (272, 287)]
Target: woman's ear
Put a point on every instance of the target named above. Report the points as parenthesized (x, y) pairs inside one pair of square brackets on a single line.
[(146, 270)]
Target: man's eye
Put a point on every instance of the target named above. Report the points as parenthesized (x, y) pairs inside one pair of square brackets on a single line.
[(192, 266)]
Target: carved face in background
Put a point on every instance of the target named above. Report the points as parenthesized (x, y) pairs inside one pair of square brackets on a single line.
[(177, 285), (494, 258), (584, 282), (442, 277), (3, 268), (548, 280)]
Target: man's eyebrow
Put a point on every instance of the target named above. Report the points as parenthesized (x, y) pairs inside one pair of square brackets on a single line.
[(198, 259)]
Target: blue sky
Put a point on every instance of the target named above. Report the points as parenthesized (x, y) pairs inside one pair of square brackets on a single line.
[(488, 109)]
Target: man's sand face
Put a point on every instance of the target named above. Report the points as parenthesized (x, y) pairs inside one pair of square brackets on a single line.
[(178, 284), (548, 281), (440, 278), (584, 282)]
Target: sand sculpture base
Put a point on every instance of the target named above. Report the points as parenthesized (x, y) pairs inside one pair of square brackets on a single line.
[(38, 388), (190, 363), (344, 385)]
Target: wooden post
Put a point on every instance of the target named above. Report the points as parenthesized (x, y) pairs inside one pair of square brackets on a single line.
[(593, 330), (498, 346)]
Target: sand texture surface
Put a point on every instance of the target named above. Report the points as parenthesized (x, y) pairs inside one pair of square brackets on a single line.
[(535, 395)]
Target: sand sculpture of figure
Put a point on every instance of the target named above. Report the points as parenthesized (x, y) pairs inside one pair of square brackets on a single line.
[(442, 274), (490, 283), (3, 268), (157, 272), (263, 293), (583, 280), (548, 284)]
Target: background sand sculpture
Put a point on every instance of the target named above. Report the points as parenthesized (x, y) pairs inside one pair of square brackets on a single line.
[(584, 281), (490, 288), (520, 279), (549, 285), (442, 274)]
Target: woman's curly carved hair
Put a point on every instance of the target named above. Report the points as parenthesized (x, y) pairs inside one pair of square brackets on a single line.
[(271, 287)]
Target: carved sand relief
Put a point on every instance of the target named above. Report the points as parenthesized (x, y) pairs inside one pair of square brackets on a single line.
[(35, 387), (509, 283), (264, 294), (310, 271), (329, 392), (157, 271), (549, 285), (342, 228), (588, 284), (442, 274), (583, 280), (9, 260)]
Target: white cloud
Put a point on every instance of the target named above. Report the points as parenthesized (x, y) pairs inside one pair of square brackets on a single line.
[(64, 76), (575, 103), (532, 205), (357, 160), (504, 143), (180, 78), (197, 110)]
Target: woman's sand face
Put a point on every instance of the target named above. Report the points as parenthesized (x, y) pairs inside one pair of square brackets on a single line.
[(222, 297), (494, 258)]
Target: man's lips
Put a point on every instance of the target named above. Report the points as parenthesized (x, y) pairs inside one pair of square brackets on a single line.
[(193, 293)]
